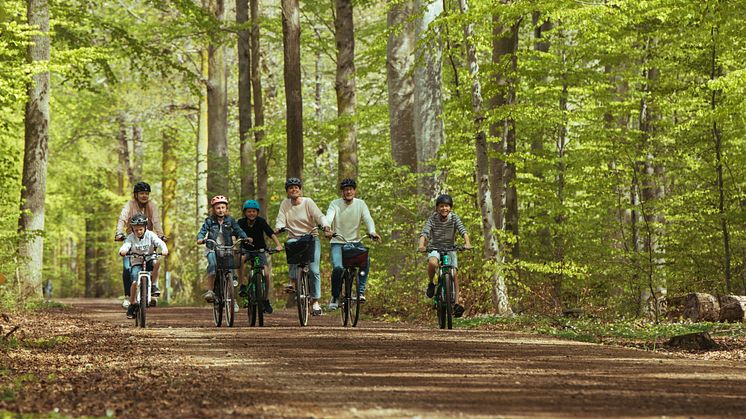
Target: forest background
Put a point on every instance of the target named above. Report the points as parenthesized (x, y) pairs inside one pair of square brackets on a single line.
[(594, 149)]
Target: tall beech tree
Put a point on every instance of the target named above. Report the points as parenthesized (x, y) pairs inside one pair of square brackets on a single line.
[(293, 94), (217, 110), (345, 88)]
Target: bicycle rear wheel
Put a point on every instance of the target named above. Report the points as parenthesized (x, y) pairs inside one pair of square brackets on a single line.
[(301, 295), (142, 308), (217, 305), (354, 300), (344, 298), (229, 300)]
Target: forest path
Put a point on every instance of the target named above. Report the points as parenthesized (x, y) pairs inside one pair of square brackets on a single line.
[(190, 368)]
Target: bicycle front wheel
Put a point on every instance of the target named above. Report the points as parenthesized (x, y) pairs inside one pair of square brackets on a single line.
[(449, 299), (440, 302), (344, 298), (253, 301), (354, 298), (142, 308), (217, 305), (261, 295), (301, 296), (229, 300)]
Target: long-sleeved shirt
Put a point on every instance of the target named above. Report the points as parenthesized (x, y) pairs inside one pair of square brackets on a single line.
[(133, 207), (345, 219), (143, 246), (441, 233), (300, 219)]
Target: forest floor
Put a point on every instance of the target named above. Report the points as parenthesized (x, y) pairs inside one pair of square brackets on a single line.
[(88, 359)]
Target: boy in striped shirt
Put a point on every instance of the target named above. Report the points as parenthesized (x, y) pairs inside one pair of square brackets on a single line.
[(440, 234)]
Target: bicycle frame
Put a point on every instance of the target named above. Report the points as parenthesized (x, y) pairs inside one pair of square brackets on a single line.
[(143, 284), (302, 289), (224, 284), (446, 291), (349, 301), (257, 287)]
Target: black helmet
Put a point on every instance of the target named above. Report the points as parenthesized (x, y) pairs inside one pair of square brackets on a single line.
[(348, 182), (293, 181), (139, 220), (141, 187), (444, 199)]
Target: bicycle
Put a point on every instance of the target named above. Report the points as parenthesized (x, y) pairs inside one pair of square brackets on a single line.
[(354, 257), (257, 287), (143, 284), (301, 252), (225, 282), (446, 291)]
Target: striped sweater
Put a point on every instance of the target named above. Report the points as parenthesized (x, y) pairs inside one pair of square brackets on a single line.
[(441, 234)]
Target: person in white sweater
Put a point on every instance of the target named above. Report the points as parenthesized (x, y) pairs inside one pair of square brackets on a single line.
[(299, 216), (346, 215)]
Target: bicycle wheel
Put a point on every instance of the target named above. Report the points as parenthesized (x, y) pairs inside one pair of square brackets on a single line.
[(440, 302), (449, 294), (301, 296), (142, 308), (253, 302), (344, 298), (229, 299), (217, 305), (261, 295), (354, 301)]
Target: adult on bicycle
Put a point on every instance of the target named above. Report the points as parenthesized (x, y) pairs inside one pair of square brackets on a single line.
[(141, 242), (222, 228), (298, 215), (139, 204), (440, 233), (256, 228), (346, 215)]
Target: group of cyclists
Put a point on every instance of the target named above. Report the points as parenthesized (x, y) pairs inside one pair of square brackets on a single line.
[(140, 228)]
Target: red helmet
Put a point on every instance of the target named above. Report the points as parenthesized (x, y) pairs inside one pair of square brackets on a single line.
[(217, 199)]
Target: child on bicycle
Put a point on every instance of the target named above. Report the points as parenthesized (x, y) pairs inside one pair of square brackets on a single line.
[(256, 228), (439, 233), (222, 228), (142, 242)]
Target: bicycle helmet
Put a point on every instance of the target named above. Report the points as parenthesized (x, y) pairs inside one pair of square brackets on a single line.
[(139, 220), (249, 204), (217, 199), (141, 187), (348, 182), (293, 181), (444, 199)]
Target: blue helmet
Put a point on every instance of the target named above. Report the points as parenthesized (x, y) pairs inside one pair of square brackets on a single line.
[(249, 204)]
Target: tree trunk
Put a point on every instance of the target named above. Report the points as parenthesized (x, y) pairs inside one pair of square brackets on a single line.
[(125, 178), (246, 142), (138, 153), (217, 114), (293, 95), (491, 250), (256, 84), (345, 88), (169, 163), (201, 192), (428, 96), (35, 157), (537, 144), (399, 65)]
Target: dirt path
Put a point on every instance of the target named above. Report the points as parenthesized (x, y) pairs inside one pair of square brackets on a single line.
[(190, 368)]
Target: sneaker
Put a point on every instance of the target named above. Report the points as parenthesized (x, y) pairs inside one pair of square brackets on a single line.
[(153, 302), (316, 308), (126, 302), (154, 291), (333, 304), (430, 290), (267, 307), (209, 296), (236, 309), (131, 311), (243, 290), (361, 297), (458, 310)]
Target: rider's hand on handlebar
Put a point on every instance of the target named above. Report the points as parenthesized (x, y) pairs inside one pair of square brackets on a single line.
[(328, 233), (119, 238), (164, 252), (278, 248), (375, 236), (201, 241), (164, 238)]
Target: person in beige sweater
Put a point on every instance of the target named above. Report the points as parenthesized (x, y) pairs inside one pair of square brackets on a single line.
[(299, 216)]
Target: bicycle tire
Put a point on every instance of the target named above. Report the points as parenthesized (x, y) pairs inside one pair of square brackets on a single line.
[(253, 301), (354, 298), (344, 298), (143, 307), (261, 295), (301, 297), (229, 300), (449, 300), (440, 303), (217, 305)]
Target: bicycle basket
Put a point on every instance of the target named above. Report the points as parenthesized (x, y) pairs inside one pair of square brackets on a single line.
[(300, 252), (226, 257), (354, 256)]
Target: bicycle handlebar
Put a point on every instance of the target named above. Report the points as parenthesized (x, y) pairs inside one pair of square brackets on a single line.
[(367, 236)]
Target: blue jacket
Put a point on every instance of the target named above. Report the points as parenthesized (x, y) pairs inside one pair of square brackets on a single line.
[(212, 228)]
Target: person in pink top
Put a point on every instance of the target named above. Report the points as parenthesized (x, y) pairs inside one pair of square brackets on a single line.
[(299, 216)]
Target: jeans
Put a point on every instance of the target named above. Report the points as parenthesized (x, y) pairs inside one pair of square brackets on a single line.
[(362, 273), (212, 263), (315, 278), (135, 270), (126, 277)]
